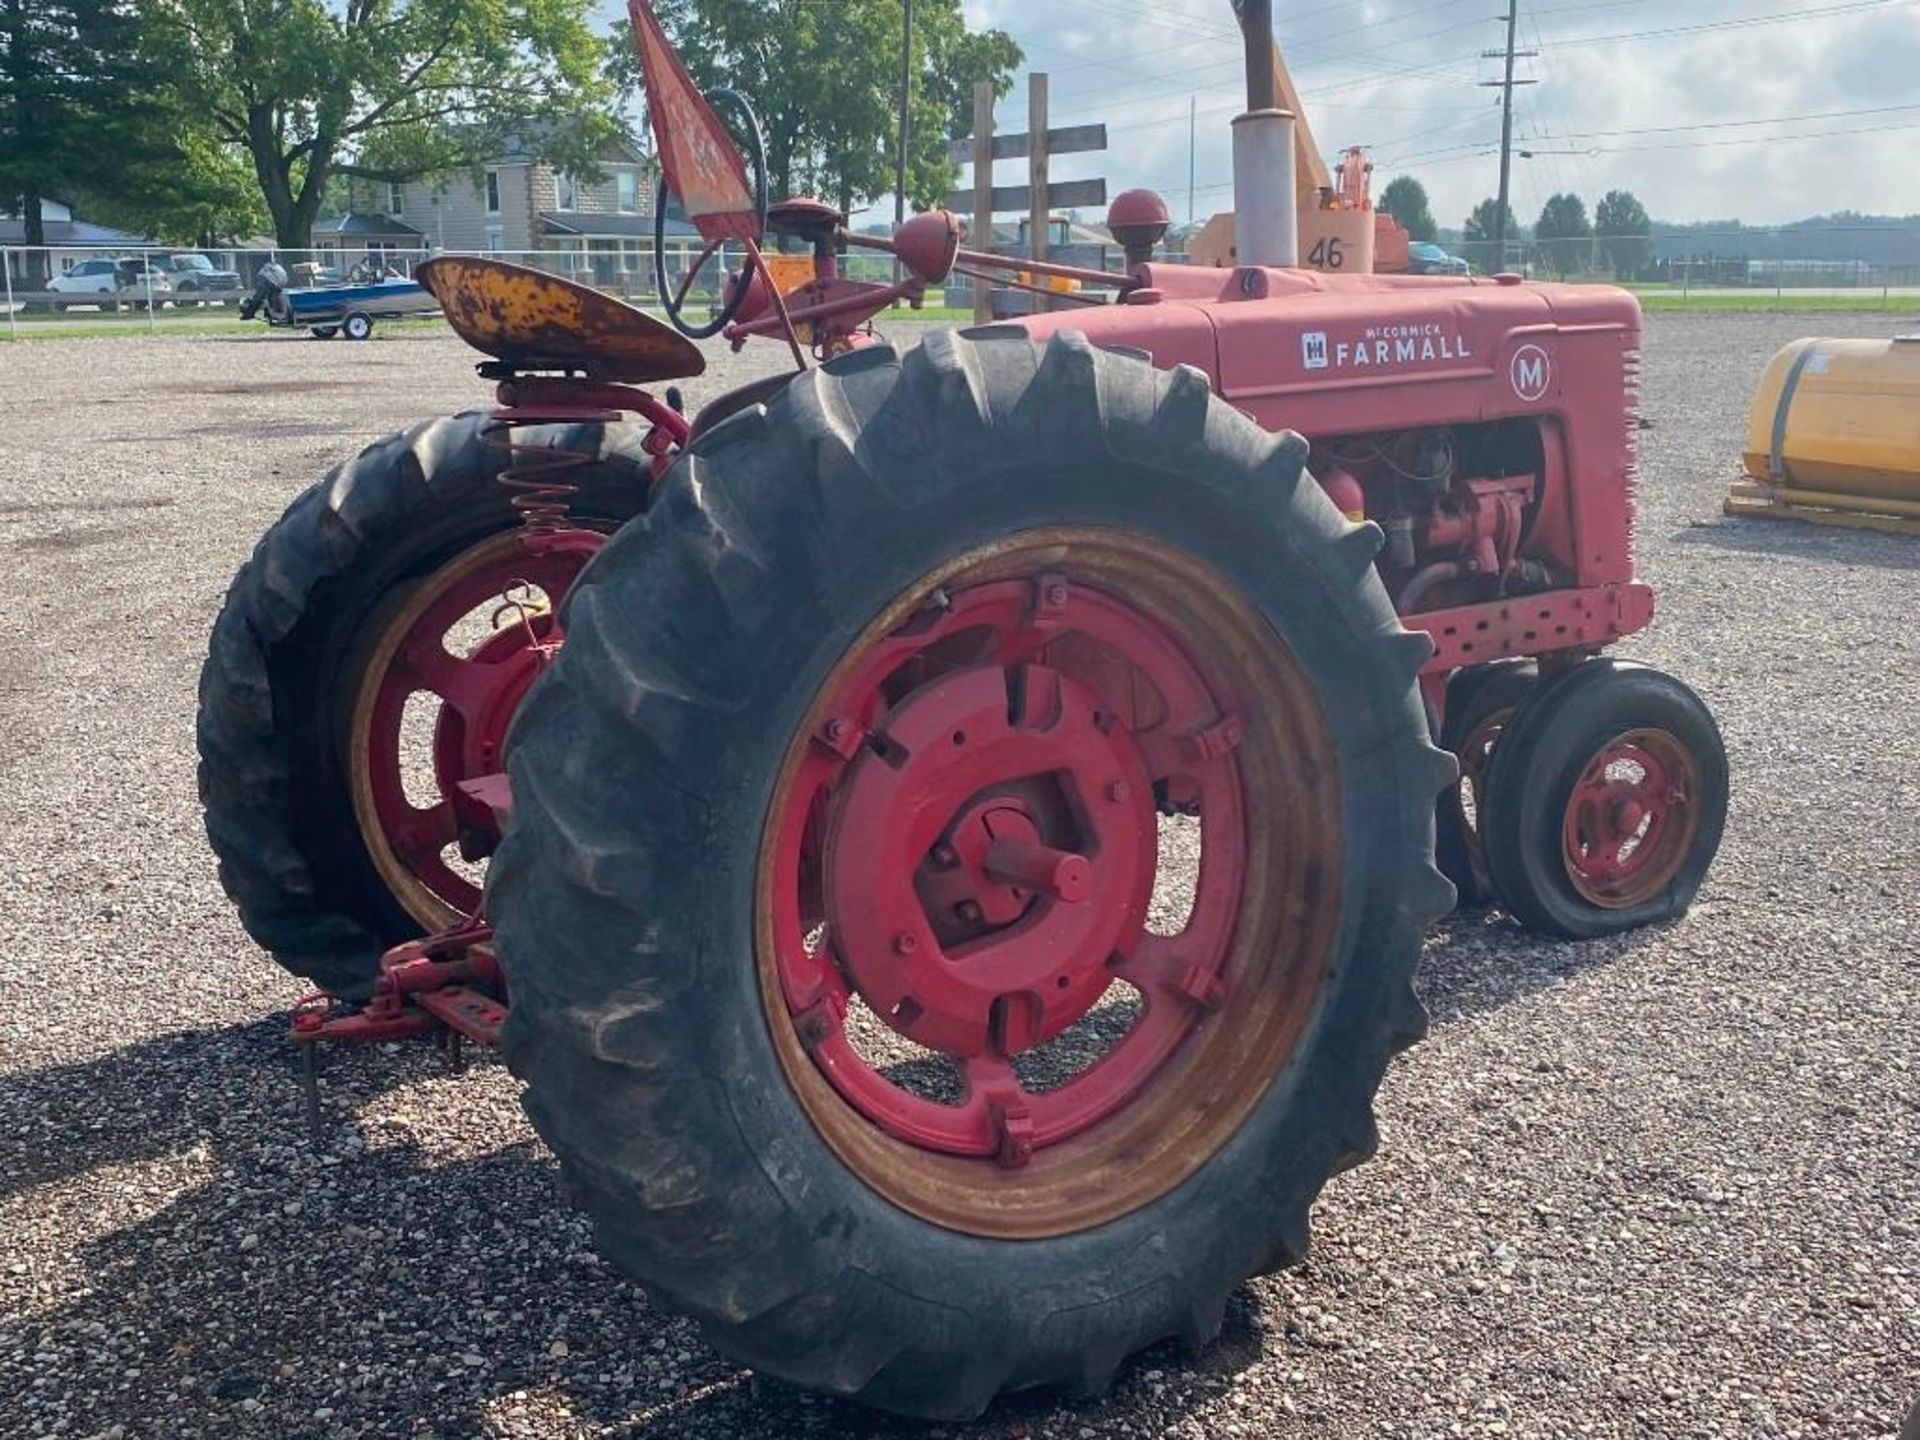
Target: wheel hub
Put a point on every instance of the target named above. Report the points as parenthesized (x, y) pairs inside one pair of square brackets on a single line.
[(470, 745), (426, 646), (983, 996), (1629, 821), (986, 856)]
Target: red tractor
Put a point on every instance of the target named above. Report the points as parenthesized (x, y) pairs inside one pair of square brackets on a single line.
[(956, 890)]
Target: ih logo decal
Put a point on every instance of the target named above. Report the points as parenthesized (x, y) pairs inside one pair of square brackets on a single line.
[(1313, 350), (1531, 372)]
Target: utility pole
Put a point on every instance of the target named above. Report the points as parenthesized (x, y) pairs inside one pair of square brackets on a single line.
[(1505, 87), (1192, 115)]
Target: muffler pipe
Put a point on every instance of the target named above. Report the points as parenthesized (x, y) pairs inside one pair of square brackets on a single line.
[(1266, 220)]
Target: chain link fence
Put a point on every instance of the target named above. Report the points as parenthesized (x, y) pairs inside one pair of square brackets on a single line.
[(1794, 259), (51, 288), (62, 287)]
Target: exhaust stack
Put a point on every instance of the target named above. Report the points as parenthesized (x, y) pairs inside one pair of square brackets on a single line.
[(1266, 221)]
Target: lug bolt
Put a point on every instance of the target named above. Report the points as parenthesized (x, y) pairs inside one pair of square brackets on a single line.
[(1056, 594), (969, 911), (1119, 791), (904, 943), (944, 857)]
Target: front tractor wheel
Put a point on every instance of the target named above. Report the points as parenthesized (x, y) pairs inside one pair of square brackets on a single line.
[(364, 668), (968, 869), (1480, 705), (1607, 796)]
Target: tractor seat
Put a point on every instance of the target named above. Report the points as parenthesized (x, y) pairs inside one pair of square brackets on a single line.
[(534, 321), (805, 218)]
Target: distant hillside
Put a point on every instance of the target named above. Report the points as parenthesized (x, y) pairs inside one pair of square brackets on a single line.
[(1892, 240), (1874, 239)]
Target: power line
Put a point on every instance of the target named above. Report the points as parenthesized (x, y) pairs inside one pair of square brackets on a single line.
[(1732, 124), (1180, 81), (1448, 156), (1345, 58), (1742, 23)]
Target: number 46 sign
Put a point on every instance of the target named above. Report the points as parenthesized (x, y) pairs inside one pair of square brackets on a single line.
[(1338, 241)]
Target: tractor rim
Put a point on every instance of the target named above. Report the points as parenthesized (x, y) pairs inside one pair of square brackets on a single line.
[(1631, 819), (963, 849), (1476, 758), (475, 684)]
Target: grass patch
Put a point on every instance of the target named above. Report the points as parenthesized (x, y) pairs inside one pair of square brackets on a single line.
[(931, 314), (1765, 302), (191, 325)]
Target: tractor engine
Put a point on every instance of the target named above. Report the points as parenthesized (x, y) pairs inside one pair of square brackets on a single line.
[(1456, 503)]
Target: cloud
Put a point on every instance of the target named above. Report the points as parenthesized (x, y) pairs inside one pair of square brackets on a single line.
[(1402, 76)]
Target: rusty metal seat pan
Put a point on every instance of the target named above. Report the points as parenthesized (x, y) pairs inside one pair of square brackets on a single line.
[(535, 321)]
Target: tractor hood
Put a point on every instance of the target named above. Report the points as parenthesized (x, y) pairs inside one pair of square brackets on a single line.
[(1172, 333), (1332, 354)]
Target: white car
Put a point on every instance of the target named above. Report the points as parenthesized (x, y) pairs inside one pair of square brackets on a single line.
[(110, 284)]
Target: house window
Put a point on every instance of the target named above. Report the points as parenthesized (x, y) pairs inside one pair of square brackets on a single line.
[(627, 191), (569, 193), (495, 240), (493, 192), (396, 198)]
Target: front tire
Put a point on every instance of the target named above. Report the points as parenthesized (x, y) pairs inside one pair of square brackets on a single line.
[(333, 824), (1607, 797), (1480, 705), (824, 579)]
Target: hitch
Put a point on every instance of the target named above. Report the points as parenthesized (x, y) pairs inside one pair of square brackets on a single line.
[(448, 984)]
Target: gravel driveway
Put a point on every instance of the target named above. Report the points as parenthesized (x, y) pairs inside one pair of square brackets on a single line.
[(1664, 1185)]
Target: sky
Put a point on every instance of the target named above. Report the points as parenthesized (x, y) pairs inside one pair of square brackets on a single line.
[(1707, 110), (1757, 110)]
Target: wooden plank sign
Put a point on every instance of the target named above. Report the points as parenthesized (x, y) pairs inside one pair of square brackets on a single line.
[(1039, 197), (1061, 195), (1064, 140)]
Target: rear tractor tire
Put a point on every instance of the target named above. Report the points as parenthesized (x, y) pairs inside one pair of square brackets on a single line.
[(1607, 797), (1480, 705), (852, 981), (329, 755)]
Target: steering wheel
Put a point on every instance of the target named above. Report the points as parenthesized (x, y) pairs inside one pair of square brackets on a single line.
[(747, 128)]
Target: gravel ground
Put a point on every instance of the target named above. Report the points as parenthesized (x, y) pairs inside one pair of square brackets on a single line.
[(1667, 1184)]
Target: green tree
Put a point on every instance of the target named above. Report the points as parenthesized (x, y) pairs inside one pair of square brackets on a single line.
[(1479, 232), (389, 89), (1483, 223), (1405, 198), (1625, 233), (77, 79), (202, 192), (1563, 234), (825, 78)]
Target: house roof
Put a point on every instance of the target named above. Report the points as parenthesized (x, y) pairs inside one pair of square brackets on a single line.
[(611, 227), (13, 231), (529, 145), (357, 224)]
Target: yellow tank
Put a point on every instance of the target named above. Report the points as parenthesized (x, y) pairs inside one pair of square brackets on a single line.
[(1834, 435)]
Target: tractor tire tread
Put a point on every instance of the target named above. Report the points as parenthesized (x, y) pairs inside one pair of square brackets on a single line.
[(247, 764), (599, 907)]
